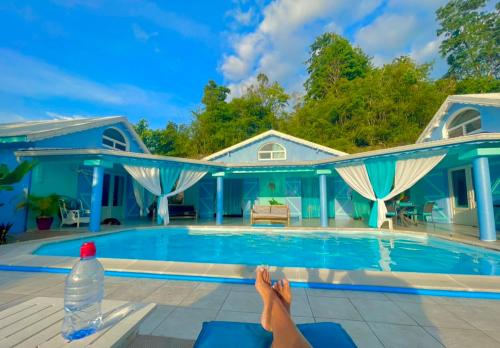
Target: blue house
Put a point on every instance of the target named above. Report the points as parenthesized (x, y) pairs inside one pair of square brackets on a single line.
[(454, 164), (68, 177)]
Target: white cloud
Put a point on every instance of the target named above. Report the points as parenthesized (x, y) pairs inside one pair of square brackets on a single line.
[(278, 46), (405, 28), (141, 34), (147, 10), (57, 116), (426, 52), (25, 78), (242, 17), (388, 33)]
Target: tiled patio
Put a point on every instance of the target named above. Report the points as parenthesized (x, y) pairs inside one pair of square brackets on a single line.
[(372, 319)]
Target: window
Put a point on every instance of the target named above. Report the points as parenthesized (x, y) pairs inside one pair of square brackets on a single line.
[(114, 139), (272, 152), (466, 122)]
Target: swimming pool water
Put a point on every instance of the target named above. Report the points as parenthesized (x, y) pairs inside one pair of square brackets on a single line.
[(360, 251)]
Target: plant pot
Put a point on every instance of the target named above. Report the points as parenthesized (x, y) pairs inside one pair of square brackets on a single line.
[(44, 222)]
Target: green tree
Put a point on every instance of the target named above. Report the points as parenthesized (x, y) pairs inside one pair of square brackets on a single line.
[(173, 140), (222, 123), (471, 39), (389, 106), (332, 58)]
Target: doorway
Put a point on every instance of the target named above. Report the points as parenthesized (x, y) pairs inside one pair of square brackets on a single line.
[(112, 196), (462, 199)]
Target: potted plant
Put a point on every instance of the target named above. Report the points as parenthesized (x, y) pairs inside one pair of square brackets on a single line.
[(4, 230), (46, 207)]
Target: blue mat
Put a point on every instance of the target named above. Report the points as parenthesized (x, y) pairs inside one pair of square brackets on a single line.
[(246, 335)]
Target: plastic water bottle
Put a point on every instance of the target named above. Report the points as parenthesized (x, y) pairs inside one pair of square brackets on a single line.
[(83, 295)]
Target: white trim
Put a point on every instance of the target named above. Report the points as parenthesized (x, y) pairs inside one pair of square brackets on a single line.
[(277, 134), (471, 200), (126, 144), (63, 127), (271, 153), (446, 130), (486, 99), (156, 160)]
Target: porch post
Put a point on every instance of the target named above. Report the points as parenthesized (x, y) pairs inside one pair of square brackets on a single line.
[(96, 199), (482, 187), (220, 198), (323, 201)]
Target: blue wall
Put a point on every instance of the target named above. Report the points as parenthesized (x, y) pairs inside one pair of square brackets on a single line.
[(490, 119), (87, 139), (90, 138), (294, 152), (434, 187)]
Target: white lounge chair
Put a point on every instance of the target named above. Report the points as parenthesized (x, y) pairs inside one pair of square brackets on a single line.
[(71, 216)]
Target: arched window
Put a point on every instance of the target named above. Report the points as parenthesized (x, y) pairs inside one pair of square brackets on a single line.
[(272, 152), (114, 139), (465, 122)]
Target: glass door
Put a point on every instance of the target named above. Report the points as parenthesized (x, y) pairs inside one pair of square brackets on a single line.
[(112, 196), (463, 203)]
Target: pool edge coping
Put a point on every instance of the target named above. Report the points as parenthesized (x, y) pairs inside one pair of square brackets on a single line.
[(21, 257)]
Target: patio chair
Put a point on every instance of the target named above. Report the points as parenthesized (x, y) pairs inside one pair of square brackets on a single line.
[(242, 335), (72, 212), (427, 211), (391, 214)]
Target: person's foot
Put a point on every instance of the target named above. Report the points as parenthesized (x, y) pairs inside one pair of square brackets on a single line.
[(282, 288), (266, 292)]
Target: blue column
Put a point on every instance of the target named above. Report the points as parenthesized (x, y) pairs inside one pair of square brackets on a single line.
[(96, 200), (323, 213), (220, 201), (482, 188)]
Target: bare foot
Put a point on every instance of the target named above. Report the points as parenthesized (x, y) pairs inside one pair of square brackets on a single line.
[(263, 287), (282, 287)]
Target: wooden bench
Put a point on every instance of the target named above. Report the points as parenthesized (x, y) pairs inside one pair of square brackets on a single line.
[(37, 323), (270, 213)]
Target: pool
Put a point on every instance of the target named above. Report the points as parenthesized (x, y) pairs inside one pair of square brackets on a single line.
[(283, 248)]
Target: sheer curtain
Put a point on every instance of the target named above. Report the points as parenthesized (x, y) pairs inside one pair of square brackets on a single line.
[(408, 171), (381, 173), (187, 178), (168, 179), (160, 182), (139, 197), (148, 177), (356, 176)]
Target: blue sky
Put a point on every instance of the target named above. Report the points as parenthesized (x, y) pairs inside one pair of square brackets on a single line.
[(147, 59)]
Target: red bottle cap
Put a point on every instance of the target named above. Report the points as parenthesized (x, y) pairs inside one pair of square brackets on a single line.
[(87, 250)]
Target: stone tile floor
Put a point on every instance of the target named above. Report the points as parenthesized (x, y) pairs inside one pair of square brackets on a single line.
[(372, 319)]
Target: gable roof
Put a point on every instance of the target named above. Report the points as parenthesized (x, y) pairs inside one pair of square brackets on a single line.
[(38, 130), (279, 135), (486, 99)]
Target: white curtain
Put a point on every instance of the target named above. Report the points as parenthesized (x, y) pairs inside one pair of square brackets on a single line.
[(357, 178), (187, 178), (139, 197), (148, 177), (408, 172)]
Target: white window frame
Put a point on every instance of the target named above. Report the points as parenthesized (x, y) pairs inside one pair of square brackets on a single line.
[(462, 126), (114, 141), (271, 152)]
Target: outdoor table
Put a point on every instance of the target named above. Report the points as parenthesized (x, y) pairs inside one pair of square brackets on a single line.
[(402, 209), (37, 323)]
